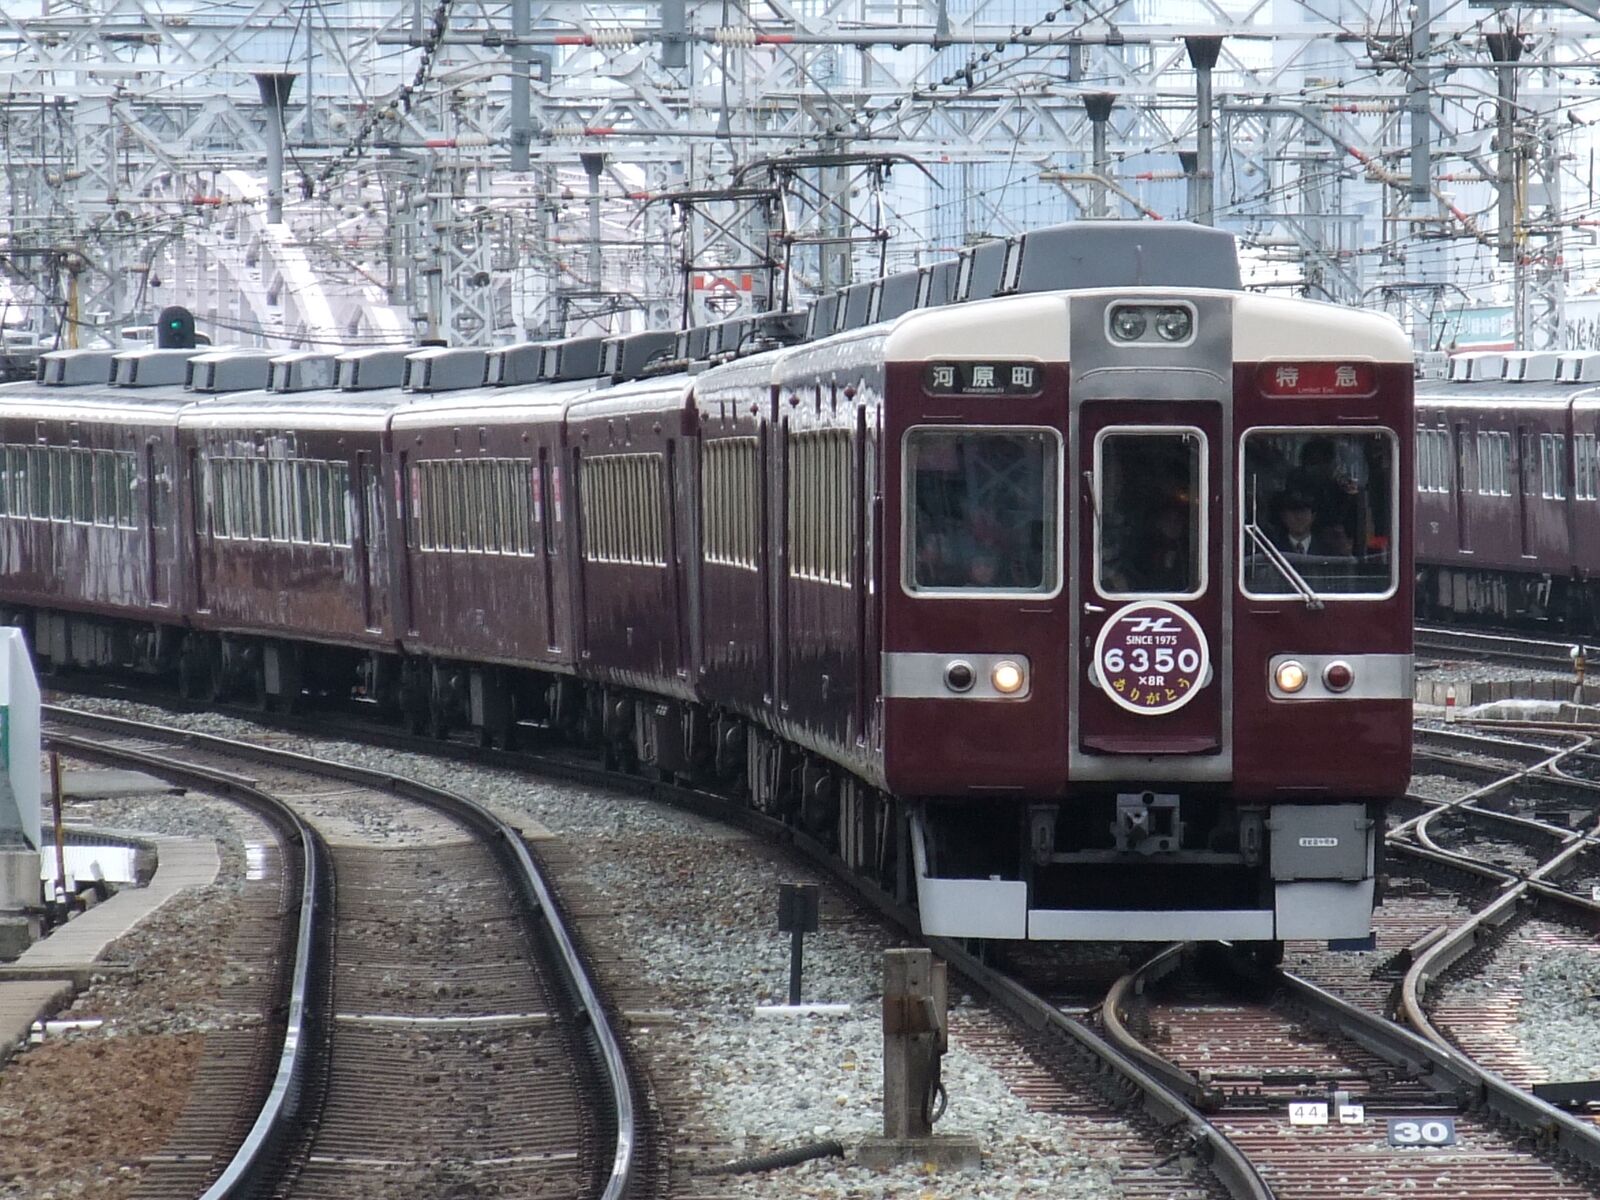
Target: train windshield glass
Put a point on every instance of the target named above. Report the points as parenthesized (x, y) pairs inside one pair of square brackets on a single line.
[(1150, 513), (981, 510), (1323, 501)]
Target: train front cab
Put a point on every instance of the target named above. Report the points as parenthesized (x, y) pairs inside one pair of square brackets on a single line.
[(1161, 716)]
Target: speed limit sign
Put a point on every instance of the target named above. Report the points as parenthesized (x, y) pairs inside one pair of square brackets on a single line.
[(1422, 1131)]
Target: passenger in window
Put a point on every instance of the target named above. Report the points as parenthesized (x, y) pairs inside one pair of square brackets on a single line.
[(1296, 530), (1336, 493)]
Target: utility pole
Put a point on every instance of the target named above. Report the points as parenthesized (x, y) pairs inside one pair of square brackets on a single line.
[(1203, 53), (1506, 49), (1098, 106)]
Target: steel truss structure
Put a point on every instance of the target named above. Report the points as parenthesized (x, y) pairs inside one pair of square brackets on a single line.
[(481, 170)]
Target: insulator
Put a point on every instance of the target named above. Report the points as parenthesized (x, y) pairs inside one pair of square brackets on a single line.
[(612, 39), (735, 35)]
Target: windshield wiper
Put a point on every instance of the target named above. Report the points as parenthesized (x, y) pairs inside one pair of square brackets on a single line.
[(1285, 567)]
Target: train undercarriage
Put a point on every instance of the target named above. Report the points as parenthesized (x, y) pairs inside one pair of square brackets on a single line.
[(1130, 865)]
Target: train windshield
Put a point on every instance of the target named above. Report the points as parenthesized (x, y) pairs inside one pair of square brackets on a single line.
[(1321, 501), (1150, 527), (981, 510)]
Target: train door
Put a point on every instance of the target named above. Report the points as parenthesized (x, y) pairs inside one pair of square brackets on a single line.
[(679, 538), (1463, 497), (366, 531), (157, 519), (1527, 484), (544, 520), (1150, 579), (201, 531)]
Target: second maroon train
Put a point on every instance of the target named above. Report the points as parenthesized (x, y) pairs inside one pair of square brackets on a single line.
[(1010, 579), (1508, 493)]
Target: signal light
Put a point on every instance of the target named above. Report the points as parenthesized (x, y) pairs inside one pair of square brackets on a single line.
[(175, 329), (1338, 676)]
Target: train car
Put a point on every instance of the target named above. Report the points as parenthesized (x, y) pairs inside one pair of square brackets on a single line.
[(1499, 528), (1033, 592), (485, 582), (90, 541), (290, 572)]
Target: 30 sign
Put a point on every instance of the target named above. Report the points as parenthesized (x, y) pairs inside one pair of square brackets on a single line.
[(1422, 1131), (1151, 657)]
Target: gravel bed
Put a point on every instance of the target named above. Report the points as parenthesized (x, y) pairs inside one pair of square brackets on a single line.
[(81, 1110), (1559, 1022), (1442, 787), (702, 924)]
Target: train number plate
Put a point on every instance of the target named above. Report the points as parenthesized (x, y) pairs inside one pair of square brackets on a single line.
[(1151, 657), (1422, 1131)]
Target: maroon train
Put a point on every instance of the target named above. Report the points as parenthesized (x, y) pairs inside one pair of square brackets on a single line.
[(1013, 579), (1508, 479)]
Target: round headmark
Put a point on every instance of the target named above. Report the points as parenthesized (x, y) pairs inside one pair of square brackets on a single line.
[(1151, 657)]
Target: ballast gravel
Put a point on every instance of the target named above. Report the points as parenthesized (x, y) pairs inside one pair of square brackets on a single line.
[(80, 1110), (698, 905)]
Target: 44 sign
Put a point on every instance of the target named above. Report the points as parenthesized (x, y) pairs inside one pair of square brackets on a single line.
[(1151, 657)]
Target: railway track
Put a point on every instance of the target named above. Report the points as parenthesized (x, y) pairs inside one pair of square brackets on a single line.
[(1510, 649), (1080, 1071), (441, 1036)]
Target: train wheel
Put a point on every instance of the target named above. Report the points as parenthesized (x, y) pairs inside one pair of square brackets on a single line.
[(197, 670)]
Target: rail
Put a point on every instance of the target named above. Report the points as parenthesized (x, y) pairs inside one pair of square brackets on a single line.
[(535, 889)]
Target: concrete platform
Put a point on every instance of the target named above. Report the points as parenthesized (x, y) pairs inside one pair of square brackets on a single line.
[(48, 974)]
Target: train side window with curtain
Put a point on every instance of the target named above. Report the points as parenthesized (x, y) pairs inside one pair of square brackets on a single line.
[(1150, 513), (1322, 501), (981, 510)]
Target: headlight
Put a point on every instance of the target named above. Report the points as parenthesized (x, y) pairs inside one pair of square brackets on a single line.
[(1291, 676), (1127, 324), (1008, 678), (1174, 324)]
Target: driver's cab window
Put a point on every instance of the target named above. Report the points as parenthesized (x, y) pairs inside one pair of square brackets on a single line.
[(1150, 513), (1319, 504)]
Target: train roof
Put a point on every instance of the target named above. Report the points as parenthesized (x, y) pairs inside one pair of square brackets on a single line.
[(488, 406), (1036, 325), (655, 392), (324, 408), (1501, 393)]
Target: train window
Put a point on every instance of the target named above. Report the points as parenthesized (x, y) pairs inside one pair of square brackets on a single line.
[(1586, 482), (82, 486), (819, 488), (39, 483), (17, 480), (261, 477), (339, 503), (104, 487), (1150, 526), (1321, 501), (981, 511), (1433, 460), (1494, 463), (621, 495), (728, 502), (1552, 466), (60, 485)]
